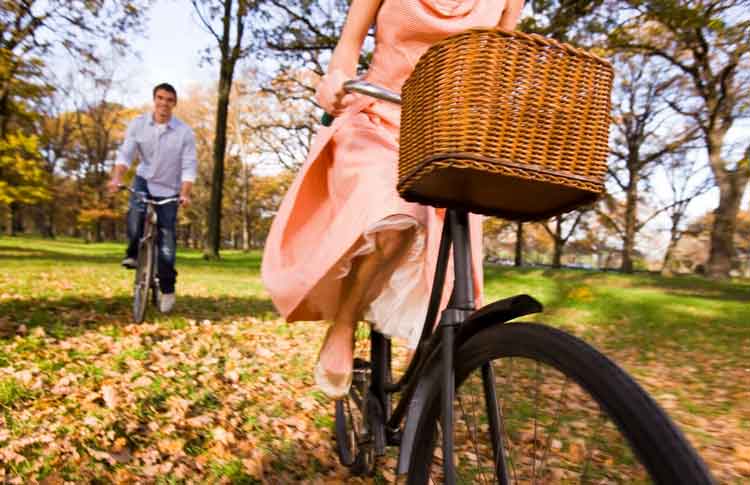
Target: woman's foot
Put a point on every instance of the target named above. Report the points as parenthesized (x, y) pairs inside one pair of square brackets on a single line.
[(333, 371)]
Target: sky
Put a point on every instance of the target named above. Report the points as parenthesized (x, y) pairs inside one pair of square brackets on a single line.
[(169, 52)]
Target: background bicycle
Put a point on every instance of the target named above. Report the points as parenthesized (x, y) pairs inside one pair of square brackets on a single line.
[(146, 274)]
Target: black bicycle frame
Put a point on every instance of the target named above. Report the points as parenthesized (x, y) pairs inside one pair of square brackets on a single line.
[(150, 221), (461, 304), (458, 322)]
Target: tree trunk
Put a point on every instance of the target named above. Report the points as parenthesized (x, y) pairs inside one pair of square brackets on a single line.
[(42, 221), (557, 255), (51, 220), (16, 224), (731, 185), (245, 213), (519, 245), (228, 60), (674, 237), (665, 269), (722, 252), (98, 231), (631, 210)]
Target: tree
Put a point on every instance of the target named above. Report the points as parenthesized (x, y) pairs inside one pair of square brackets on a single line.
[(282, 121), (687, 180), (99, 129), (641, 140), (571, 21), (709, 44), (198, 109), (518, 257), (559, 236), (55, 128), (22, 179), (231, 49), (742, 241), (300, 34), (497, 238), (297, 37), (598, 238), (30, 32)]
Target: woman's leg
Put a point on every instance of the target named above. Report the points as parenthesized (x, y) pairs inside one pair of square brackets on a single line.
[(368, 276)]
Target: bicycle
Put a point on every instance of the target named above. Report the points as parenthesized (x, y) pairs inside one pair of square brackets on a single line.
[(146, 276), (475, 358)]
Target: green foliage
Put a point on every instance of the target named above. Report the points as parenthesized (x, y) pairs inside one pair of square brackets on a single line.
[(567, 21), (22, 178)]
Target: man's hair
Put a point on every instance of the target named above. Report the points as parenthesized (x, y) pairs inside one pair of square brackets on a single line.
[(165, 87)]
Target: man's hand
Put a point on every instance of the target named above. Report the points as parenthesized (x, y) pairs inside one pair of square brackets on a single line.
[(113, 185), (185, 190), (118, 172)]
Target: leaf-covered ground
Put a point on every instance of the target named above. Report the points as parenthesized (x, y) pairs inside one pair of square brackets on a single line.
[(220, 390)]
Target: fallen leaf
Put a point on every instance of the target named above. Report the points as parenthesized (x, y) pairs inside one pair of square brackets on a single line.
[(109, 394)]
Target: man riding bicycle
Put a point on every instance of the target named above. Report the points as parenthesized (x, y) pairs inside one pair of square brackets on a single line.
[(168, 164)]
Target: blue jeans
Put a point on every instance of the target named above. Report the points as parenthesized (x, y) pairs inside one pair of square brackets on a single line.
[(166, 233)]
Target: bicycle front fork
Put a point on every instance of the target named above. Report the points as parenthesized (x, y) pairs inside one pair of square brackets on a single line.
[(460, 306)]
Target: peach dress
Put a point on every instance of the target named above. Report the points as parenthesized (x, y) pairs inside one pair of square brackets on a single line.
[(346, 190)]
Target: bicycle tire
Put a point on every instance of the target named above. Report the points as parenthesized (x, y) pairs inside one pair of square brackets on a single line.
[(666, 456), (143, 277)]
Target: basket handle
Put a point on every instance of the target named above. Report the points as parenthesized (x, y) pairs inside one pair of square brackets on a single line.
[(368, 89)]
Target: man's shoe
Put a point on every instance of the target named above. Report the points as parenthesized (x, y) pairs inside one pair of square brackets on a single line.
[(166, 302), (129, 263)]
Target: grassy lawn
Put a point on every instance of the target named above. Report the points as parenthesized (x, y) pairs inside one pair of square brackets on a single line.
[(220, 390)]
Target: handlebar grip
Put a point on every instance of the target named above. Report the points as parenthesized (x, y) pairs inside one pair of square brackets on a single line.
[(326, 119)]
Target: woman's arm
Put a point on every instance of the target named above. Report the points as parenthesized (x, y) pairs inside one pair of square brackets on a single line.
[(358, 21), (343, 65), (511, 14)]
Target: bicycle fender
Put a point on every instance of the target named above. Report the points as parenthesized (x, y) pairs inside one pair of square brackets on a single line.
[(499, 311), (495, 313)]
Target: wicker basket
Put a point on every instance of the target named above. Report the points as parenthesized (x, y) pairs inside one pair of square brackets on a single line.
[(505, 123)]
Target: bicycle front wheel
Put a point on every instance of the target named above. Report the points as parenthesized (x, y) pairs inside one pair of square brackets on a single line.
[(537, 405), (143, 277)]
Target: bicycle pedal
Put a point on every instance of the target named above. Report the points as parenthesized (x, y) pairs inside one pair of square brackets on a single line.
[(393, 437)]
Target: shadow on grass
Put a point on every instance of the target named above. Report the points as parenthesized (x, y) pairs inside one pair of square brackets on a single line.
[(18, 253), (188, 257), (70, 315)]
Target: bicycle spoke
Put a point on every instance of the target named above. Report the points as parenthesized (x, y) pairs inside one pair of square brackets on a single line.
[(555, 424), (511, 454), (536, 415), (472, 432), (590, 451)]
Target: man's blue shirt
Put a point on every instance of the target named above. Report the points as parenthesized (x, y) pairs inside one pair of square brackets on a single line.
[(167, 153)]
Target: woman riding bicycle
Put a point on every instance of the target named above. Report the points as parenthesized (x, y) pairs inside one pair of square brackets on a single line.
[(344, 246)]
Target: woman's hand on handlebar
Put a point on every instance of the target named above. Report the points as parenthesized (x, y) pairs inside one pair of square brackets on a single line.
[(330, 93)]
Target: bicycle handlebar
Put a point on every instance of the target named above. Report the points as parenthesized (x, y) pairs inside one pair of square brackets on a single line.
[(147, 200), (368, 89), (372, 90)]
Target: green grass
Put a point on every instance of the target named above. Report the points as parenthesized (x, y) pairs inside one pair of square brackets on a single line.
[(225, 357), (642, 311), (65, 286)]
